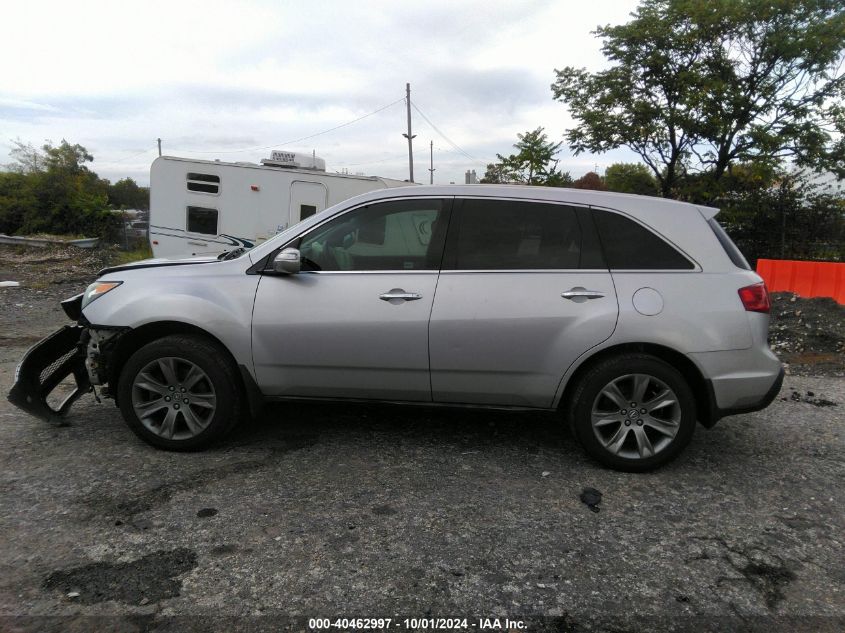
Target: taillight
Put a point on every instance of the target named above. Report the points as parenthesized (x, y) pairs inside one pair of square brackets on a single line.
[(755, 298)]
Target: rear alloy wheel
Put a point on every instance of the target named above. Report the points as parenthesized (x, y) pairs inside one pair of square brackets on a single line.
[(633, 412), (636, 416), (180, 393)]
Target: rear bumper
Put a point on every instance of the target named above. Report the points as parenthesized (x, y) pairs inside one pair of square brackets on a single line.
[(759, 405), (44, 367)]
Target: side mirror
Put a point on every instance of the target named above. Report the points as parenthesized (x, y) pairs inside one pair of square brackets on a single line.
[(287, 261)]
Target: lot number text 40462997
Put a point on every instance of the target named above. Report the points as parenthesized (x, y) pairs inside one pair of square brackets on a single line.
[(434, 624)]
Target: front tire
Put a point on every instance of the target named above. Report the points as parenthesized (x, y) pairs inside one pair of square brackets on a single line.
[(633, 412), (180, 393)]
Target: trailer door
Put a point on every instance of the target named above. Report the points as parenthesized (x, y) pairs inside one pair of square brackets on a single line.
[(306, 199)]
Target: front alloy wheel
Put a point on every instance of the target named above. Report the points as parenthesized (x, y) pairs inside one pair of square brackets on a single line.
[(180, 392), (173, 398)]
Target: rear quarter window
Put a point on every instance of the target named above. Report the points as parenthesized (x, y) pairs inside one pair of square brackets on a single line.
[(727, 243), (630, 246)]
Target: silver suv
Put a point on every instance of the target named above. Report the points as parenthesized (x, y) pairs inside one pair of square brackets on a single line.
[(632, 316)]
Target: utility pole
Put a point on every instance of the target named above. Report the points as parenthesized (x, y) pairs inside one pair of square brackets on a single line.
[(159, 146), (431, 169), (409, 136)]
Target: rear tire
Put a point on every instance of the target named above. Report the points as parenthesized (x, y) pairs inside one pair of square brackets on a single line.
[(633, 412), (180, 393)]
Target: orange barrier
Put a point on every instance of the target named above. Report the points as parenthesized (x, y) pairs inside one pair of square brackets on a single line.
[(808, 279)]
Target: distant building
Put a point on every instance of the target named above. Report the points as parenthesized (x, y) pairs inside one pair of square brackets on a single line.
[(825, 179), (470, 178)]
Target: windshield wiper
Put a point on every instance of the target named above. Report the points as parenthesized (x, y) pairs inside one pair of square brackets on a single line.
[(225, 255)]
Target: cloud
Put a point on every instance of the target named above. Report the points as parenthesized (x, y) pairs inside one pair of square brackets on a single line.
[(218, 77)]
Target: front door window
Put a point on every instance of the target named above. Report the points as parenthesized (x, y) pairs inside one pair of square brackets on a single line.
[(395, 235)]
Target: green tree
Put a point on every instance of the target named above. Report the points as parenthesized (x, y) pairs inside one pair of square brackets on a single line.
[(630, 178), (66, 158), (559, 179), (534, 163), (494, 175), (52, 190), (741, 179), (126, 194), (703, 85), (17, 197), (788, 218)]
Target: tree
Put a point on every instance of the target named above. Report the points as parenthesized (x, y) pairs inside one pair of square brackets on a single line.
[(590, 180), (534, 163), (17, 197), (66, 158), (787, 218), (493, 175), (52, 191), (630, 178), (126, 194), (742, 179), (703, 85), (559, 179), (26, 158)]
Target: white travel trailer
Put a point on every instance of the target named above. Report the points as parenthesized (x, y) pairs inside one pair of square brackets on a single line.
[(205, 207)]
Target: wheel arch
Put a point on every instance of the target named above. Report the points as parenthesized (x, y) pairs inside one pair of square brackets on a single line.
[(691, 373), (134, 339)]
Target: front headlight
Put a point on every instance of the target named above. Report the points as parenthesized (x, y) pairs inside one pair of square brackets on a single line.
[(98, 289)]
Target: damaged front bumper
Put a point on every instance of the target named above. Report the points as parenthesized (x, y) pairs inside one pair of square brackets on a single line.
[(74, 350), (45, 366)]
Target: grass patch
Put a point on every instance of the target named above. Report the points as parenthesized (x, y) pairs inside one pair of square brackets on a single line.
[(127, 257)]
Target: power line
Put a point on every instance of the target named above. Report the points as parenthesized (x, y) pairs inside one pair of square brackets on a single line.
[(371, 162), (296, 140), (456, 153), (120, 160), (457, 147)]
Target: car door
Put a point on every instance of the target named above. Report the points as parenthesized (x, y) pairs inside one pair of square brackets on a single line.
[(354, 322), (522, 293)]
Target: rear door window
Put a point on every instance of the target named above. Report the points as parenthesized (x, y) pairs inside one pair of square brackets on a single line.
[(514, 235)]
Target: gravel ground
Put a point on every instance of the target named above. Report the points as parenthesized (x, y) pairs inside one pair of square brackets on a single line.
[(377, 511), (808, 334), (46, 277)]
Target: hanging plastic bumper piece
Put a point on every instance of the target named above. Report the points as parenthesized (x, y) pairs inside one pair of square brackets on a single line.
[(45, 366)]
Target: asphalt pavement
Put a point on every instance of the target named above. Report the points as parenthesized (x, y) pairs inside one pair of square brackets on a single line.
[(334, 511)]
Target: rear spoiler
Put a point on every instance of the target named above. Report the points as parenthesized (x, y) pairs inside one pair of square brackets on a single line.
[(707, 212)]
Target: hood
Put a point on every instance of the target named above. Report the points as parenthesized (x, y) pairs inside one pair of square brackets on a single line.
[(155, 263)]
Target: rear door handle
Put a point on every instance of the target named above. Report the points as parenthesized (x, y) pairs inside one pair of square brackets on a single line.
[(579, 294), (399, 294)]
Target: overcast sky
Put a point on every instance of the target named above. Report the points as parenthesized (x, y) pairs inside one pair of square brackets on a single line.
[(228, 80)]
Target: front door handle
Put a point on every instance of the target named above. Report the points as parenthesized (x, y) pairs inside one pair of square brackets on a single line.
[(579, 294), (397, 295)]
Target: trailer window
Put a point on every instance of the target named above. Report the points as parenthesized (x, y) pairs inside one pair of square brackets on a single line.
[(306, 211), (202, 220), (204, 183)]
